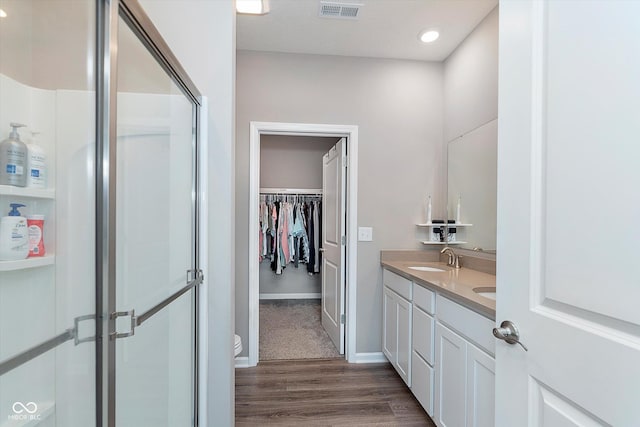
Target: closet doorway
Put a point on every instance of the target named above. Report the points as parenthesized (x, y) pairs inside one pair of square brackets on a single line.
[(300, 302)]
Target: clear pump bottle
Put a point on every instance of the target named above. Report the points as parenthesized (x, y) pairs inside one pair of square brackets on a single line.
[(13, 159)]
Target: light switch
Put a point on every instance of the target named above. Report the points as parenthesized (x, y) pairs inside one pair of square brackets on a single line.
[(365, 234)]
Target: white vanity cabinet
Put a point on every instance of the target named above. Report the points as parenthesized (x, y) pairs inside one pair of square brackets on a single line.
[(442, 350), (422, 354), (465, 367), (396, 335)]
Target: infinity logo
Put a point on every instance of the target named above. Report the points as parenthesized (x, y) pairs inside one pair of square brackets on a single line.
[(30, 407)]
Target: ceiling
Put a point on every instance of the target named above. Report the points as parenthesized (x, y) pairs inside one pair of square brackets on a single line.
[(383, 29)]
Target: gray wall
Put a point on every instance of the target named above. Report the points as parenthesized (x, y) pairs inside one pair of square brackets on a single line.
[(471, 80), (398, 108), (291, 281), (291, 162)]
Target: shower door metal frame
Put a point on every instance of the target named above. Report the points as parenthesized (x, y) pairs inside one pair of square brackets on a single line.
[(107, 16)]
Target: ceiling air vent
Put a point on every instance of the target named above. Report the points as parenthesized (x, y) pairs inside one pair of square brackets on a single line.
[(332, 9)]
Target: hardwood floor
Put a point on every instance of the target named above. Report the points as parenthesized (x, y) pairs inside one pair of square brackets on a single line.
[(325, 393)]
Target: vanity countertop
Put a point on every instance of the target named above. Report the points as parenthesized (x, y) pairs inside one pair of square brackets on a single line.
[(458, 284)]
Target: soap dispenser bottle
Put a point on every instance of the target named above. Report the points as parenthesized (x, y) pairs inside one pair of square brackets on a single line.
[(14, 235), (36, 164), (13, 159)]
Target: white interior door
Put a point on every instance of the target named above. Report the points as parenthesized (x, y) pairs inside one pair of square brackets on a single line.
[(333, 243), (568, 273)]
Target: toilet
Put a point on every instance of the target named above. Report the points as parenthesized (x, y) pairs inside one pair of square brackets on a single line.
[(237, 349)]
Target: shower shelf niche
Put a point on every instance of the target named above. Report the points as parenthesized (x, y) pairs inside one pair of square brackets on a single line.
[(27, 263), (39, 193)]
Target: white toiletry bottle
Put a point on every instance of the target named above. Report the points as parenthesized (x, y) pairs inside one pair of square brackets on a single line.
[(36, 165), (13, 159), (14, 236)]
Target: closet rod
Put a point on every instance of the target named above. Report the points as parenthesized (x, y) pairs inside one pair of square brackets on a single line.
[(292, 191)]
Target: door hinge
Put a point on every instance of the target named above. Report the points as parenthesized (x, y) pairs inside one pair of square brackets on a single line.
[(345, 161), (342, 319), (343, 240)]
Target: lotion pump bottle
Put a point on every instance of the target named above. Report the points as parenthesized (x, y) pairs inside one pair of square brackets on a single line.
[(13, 159), (14, 235), (36, 165)]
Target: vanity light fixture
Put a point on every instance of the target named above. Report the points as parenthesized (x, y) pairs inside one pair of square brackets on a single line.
[(252, 7), (428, 36), (3, 14)]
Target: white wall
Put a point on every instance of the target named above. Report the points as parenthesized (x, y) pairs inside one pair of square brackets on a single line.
[(398, 108), (202, 36)]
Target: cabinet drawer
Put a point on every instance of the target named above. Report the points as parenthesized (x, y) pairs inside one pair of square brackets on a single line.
[(468, 323), (424, 298), (422, 378), (397, 283), (423, 333)]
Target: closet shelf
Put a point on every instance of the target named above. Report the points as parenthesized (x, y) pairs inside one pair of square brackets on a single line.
[(293, 191), (39, 193), (27, 263)]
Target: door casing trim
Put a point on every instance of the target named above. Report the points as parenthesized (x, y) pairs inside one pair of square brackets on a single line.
[(304, 129)]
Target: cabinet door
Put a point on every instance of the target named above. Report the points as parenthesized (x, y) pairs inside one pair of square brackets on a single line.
[(451, 366), (390, 326), (481, 376), (422, 334), (422, 382), (404, 339)]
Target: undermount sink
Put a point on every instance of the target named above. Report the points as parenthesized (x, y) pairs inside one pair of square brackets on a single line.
[(424, 268), (486, 292)]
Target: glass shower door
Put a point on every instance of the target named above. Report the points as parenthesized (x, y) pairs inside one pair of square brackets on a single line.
[(47, 299), (155, 247)]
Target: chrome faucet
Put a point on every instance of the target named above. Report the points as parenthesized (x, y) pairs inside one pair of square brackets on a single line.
[(454, 259)]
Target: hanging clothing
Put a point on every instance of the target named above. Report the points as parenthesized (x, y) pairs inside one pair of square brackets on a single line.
[(290, 232), (317, 236), (312, 242)]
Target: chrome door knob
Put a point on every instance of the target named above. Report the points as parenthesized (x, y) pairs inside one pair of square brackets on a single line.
[(508, 332)]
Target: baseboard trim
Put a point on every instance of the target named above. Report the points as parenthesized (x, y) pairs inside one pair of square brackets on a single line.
[(242, 362), (291, 296), (375, 357)]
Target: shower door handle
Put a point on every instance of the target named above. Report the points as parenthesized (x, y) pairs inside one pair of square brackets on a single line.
[(194, 278)]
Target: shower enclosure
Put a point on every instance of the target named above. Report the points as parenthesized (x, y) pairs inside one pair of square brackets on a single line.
[(101, 330)]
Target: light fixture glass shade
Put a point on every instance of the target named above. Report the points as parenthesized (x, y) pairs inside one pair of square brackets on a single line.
[(3, 14), (253, 7), (429, 36)]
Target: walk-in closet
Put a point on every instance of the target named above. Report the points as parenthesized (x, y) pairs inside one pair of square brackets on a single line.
[(290, 242)]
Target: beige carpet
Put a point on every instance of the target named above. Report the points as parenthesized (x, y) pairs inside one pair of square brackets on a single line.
[(291, 329)]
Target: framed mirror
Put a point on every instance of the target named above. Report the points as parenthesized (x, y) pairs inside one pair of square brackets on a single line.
[(472, 183)]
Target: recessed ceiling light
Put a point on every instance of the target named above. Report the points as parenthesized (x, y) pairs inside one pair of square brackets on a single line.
[(3, 14), (429, 36), (253, 7)]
